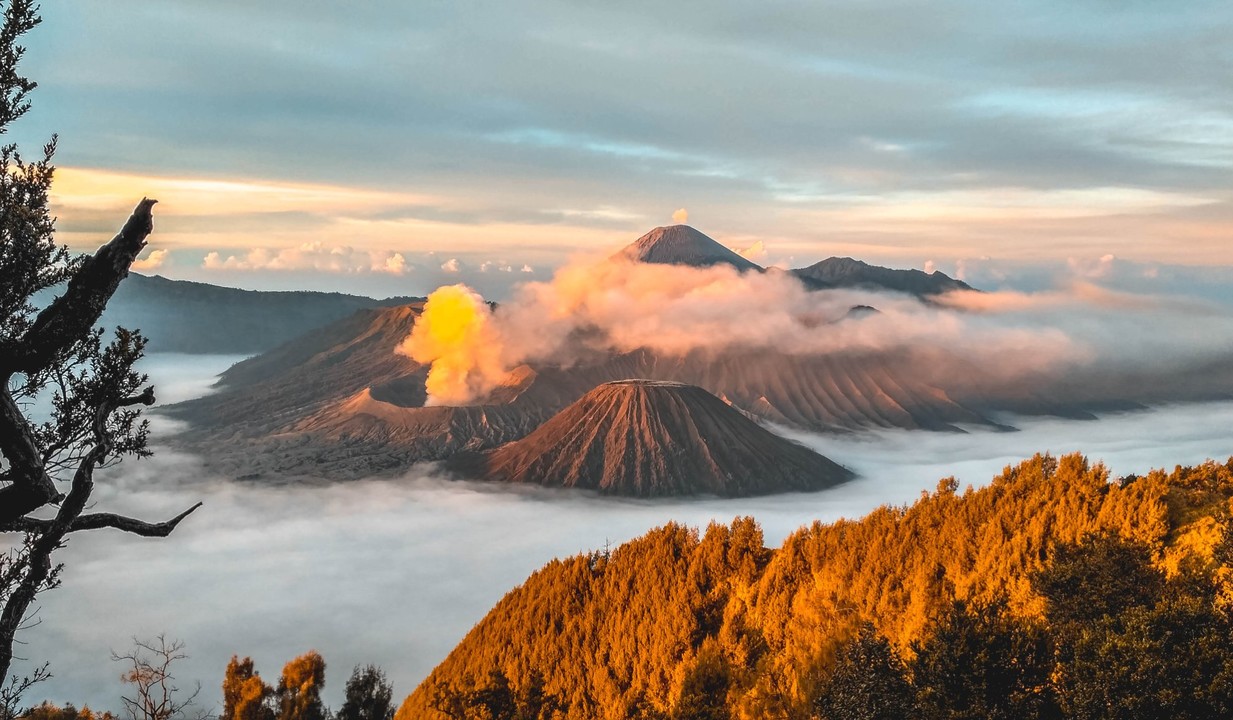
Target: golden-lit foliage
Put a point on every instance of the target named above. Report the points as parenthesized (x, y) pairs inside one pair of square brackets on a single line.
[(639, 627), (50, 711), (298, 695), (456, 335), (245, 694), (299, 688)]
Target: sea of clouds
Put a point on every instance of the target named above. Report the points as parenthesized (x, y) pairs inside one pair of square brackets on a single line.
[(396, 571)]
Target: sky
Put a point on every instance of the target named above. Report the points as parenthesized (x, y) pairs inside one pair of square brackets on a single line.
[(387, 147)]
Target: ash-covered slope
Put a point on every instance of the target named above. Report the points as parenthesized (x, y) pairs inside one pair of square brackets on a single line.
[(340, 402), (650, 438), (683, 245), (837, 272)]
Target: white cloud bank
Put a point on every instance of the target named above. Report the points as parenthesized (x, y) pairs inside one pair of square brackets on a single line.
[(395, 572)]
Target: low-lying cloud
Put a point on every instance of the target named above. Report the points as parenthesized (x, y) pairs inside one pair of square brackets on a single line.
[(395, 572), (611, 305)]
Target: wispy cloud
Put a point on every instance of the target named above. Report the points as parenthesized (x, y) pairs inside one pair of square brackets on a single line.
[(310, 256), (153, 261)]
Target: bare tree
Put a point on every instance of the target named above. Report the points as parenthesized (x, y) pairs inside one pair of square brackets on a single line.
[(12, 691), (149, 671), (56, 353)]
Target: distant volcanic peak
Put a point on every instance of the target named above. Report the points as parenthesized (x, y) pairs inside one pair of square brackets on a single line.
[(650, 437), (683, 245), (846, 272)]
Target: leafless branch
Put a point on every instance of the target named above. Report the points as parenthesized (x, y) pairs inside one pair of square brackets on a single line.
[(149, 671), (97, 521), (12, 691)]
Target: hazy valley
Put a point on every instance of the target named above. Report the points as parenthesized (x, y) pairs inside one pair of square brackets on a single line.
[(401, 548)]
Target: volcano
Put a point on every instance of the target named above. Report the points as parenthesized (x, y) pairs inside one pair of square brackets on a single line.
[(653, 438), (683, 245), (342, 402)]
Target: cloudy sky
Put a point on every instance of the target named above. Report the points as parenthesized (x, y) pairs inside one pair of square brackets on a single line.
[(386, 146)]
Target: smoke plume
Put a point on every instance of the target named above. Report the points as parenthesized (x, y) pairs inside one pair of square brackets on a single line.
[(456, 335), (616, 305)]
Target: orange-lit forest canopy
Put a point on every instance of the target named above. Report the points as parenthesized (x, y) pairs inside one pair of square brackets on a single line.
[(635, 632)]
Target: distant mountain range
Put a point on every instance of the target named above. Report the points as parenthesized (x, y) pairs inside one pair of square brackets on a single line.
[(684, 245), (193, 317), (339, 402)]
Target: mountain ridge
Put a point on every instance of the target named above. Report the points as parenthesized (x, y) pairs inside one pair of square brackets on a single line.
[(846, 272), (196, 317)]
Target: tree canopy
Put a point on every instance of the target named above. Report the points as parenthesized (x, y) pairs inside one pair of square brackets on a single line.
[(52, 352), (964, 604)]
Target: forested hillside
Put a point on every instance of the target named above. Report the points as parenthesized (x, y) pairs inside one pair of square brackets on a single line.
[(1052, 592)]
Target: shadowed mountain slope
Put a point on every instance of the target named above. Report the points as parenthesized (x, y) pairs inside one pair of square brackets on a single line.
[(193, 317), (845, 272), (647, 438)]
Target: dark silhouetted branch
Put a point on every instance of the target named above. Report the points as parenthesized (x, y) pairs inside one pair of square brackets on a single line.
[(97, 521), (72, 315), (55, 330)]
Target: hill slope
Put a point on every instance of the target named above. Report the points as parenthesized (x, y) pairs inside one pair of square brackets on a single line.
[(193, 317), (646, 438), (614, 633)]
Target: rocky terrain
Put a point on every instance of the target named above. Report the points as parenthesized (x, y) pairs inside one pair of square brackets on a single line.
[(683, 245), (653, 437)]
